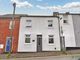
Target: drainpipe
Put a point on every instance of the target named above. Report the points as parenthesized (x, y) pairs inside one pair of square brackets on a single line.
[(59, 32), (62, 42), (57, 15)]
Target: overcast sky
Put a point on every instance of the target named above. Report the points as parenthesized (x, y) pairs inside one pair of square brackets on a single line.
[(39, 7)]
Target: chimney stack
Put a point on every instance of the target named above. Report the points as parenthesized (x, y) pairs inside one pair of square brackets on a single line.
[(67, 13), (55, 13)]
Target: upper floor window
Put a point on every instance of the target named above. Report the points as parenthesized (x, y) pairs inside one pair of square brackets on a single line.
[(50, 23), (65, 21), (51, 39), (27, 38), (28, 23)]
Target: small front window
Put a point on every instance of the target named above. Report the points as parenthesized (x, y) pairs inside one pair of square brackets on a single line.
[(27, 38), (51, 39), (65, 21), (28, 23)]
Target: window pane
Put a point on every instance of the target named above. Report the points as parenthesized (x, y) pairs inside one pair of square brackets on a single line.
[(50, 23), (50, 20), (28, 20), (28, 26), (51, 39), (65, 21), (50, 35), (27, 38), (27, 35), (28, 23)]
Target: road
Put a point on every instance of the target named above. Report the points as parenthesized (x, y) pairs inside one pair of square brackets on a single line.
[(77, 57)]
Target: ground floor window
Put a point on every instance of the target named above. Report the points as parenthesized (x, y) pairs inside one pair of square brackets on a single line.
[(51, 39), (27, 38)]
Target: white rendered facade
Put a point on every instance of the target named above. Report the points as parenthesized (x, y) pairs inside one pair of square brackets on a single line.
[(39, 26), (68, 30)]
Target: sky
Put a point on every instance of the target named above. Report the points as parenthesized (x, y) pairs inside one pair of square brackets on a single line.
[(39, 7)]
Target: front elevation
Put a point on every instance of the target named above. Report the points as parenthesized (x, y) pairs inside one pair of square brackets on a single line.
[(39, 33)]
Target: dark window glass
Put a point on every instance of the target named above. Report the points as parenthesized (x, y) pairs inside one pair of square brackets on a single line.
[(27, 39), (51, 39), (28, 23), (65, 21), (50, 23)]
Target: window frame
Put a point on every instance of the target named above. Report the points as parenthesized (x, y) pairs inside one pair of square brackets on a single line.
[(65, 21), (27, 36), (51, 37), (50, 23), (28, 23)]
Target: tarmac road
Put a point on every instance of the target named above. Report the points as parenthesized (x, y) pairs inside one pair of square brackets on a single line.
[(77, 57)]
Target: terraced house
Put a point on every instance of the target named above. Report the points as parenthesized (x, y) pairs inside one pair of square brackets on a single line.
[(5, 28), (40, 33), (70, 24)]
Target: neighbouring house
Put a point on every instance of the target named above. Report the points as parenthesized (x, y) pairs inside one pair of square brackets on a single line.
[(39, 33), (5, 28), (70, 25)]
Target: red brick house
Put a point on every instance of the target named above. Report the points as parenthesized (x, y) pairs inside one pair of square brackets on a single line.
[(5, 32)]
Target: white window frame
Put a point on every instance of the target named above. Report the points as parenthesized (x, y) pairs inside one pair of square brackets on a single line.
[(28, 23), (27, 36), (50, 22), (50, 37)]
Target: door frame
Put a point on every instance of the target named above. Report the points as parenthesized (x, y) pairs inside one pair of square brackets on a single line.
[(39, 48), (8, 39)]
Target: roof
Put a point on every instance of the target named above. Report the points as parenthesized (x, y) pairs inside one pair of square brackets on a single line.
[(66, 13), (11, 15), (24, 15), (39, 16), (69, 14)]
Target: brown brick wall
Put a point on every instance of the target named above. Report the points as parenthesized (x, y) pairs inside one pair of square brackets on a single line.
[(5, 31)]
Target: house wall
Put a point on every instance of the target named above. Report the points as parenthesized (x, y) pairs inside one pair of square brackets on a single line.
[(5, 32), (68, 30), (39, 26), (76, 24)]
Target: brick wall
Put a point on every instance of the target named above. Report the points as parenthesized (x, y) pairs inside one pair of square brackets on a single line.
[(5, 31)]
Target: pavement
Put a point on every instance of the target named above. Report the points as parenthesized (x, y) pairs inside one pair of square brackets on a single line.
[(66, 57)]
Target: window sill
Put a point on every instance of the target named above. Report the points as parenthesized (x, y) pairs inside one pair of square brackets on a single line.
[(28, 27), (50, 28), (51, 44), (27, 43)]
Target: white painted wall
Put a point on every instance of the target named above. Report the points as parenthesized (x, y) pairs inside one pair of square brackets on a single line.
[(39, 26), (68, 31)]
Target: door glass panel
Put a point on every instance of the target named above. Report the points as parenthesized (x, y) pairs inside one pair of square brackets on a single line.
[(39, 43)]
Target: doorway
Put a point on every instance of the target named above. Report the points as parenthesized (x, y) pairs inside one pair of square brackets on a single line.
[(8, 44), (39, 43)]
